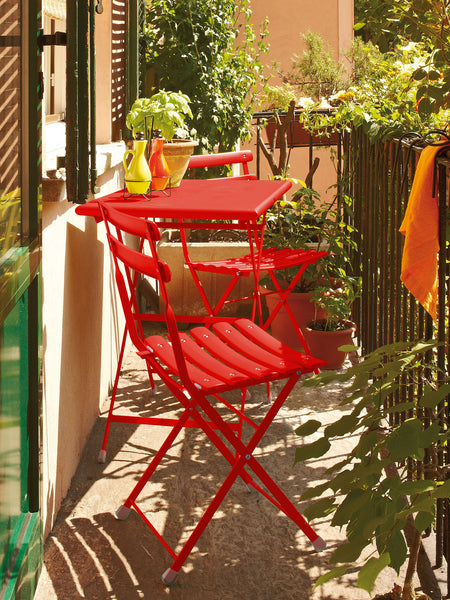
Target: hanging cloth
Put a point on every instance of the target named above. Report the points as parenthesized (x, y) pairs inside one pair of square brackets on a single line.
[(420, 227), (55, 9)]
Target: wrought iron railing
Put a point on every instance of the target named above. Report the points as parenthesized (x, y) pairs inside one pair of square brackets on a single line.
[(378, 178)]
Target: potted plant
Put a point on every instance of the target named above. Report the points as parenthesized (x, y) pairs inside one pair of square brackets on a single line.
[(384, 491), (167, 112), (329, 336), (287, 119), (308, 223)]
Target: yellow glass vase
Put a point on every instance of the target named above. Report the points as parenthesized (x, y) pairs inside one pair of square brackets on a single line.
[(137, 173)]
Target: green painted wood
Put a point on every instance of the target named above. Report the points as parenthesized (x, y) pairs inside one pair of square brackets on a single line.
[(21, 547)]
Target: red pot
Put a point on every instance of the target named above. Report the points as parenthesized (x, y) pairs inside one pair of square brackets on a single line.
[(304, 311), (325, 344), (298, 136)]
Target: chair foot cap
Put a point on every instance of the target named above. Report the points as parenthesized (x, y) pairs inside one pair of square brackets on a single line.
[(169, 576), (102, 456), (319, 544), (250, 487), (122, 512)]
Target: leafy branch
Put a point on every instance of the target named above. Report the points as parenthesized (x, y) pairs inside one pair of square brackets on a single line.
[(384, 491)]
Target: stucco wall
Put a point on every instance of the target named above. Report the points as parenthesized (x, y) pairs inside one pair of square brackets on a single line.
[(288, 19), (82, 331)]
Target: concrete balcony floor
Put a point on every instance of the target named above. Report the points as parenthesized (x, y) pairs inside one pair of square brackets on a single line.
[(249, 551)]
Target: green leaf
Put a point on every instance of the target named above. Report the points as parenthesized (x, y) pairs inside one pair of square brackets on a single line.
[(431, 398), (375, 516), (345, 425), (423, 520), (401, 407), (442, 491), (347, 552), (412, 488), (336, 572), (434, 75), (425, 108), (313, 450), (354, 500), (431, 434), (308, 428), (397, 549), (320, 508), (366, 443), (370, 571), (348, 348), (358, 26), (322, 379), (404, 442)]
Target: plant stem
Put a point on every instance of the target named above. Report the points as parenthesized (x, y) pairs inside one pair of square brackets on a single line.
[(408, 587)]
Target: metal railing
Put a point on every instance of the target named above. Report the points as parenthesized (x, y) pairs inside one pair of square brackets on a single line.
[(378, 178)]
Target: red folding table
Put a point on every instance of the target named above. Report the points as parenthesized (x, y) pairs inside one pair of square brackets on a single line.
[(217, 204)]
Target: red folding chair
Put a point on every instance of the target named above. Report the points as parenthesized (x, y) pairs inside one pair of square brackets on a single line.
[(242, 157), (198, 368), (265, 261)]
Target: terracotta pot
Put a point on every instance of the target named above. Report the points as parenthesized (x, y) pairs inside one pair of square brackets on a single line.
[(177, 154), (325, 344), (304, 311), (298, 136)]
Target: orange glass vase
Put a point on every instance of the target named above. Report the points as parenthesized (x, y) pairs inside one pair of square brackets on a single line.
[(158, 164)]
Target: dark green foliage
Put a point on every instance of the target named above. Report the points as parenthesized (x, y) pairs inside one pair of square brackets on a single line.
[(316, 72), (389, 22), (307, 223), (396, 398), (209, 51)]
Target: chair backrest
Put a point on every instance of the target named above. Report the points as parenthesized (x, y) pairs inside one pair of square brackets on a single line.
[(242, 157), (127, 260)]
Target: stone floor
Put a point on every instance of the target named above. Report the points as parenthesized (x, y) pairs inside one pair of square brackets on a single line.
[(249, 551)]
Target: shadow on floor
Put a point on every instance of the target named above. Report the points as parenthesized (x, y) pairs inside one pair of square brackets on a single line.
[(249, 551)]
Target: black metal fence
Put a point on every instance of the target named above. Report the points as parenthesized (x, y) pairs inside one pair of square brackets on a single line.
[(378, 178)]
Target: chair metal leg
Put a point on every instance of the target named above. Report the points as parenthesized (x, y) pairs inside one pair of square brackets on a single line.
[(242, 460), (102, 453)]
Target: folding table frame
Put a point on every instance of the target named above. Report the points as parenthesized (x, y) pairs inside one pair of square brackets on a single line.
[(198, 368)]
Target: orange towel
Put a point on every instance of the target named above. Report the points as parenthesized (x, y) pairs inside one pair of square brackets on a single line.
[(421, 229)]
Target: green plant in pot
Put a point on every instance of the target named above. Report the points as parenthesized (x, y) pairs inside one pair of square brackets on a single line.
[(329, 336), (166, 111), (307, 223), (384, 491)]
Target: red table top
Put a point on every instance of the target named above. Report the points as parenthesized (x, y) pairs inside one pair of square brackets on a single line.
[(224, 199)]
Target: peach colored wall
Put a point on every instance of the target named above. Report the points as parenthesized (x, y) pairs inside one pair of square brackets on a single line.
[(288, 19), (81, 338)]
